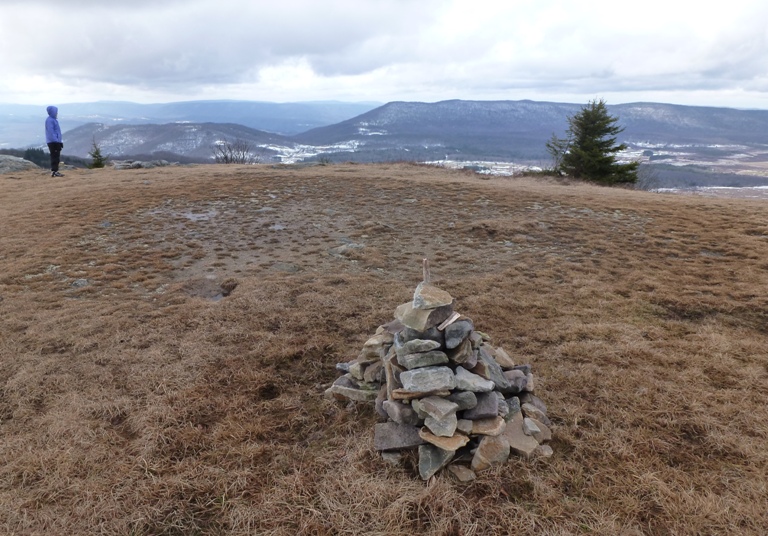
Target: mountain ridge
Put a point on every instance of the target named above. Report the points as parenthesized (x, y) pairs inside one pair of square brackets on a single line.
[(459, 131), (21, 125)]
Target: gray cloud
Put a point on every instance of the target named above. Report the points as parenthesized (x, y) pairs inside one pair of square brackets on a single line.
[(383, 49), (181, 43)]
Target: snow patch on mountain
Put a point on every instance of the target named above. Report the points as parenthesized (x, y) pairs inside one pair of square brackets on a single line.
[(297, 153)]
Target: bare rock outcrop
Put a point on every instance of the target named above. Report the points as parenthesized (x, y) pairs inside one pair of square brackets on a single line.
[(9, 164)]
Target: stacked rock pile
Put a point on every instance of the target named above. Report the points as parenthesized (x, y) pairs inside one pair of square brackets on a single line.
[(443, 389)]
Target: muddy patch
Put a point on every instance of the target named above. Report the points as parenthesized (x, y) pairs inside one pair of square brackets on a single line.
[(209, 288)]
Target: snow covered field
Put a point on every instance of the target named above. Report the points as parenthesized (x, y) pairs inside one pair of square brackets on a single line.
[(753, 192)]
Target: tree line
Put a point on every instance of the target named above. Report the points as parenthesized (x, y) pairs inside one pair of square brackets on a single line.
[(42, 158)]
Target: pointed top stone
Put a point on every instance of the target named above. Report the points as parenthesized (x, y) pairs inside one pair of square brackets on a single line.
[(422, 319), (428, 296)]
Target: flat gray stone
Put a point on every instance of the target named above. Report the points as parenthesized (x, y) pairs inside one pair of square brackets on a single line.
[(356, 370), (431, 334), (416, 346), (544, 433), (444, 427), (464, 426), (525, 368), (374, 373), (378, 405), (401, 413), (476, 339), (503, 408), (402, 394), (416, 406), (432, 459), (519, 443), (503, 359), (484, 336), (517, 380), (530, 428), (513, 404), (380, 339), (464, 399), (458, 332), (347, 381), (344, 367), (467, 381), (346, 387), (395, 436), (428, 379), (529, 410), (393, 327), (358, 395), (530, 398), (463, 354), (370, 354), (423, 359), (438, 407), (487, 407), (495, 374)]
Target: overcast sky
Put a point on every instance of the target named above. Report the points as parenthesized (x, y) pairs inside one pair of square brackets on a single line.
[(684, 52)]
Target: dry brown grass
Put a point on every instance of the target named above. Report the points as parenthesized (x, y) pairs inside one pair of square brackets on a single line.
[(131, 402)]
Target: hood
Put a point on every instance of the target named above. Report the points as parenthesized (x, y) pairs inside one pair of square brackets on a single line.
[(52, 111)]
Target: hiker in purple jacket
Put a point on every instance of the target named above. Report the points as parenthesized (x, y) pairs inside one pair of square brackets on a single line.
[(53, 139)]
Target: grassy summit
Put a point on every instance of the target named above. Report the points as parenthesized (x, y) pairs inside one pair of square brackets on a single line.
[(166, 337)]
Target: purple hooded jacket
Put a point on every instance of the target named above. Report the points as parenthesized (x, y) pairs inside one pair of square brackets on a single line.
[(52, 129)]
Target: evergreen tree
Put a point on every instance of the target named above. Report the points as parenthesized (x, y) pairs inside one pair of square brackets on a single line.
[(99, 160), (38, 156), (589, 151)]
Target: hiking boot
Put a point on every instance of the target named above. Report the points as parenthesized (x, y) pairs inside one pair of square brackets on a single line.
[(56, 174)]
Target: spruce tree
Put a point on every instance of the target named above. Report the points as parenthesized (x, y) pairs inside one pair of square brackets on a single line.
[(99, 160), (589, 150)]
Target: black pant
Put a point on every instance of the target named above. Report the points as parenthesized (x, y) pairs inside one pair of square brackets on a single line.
[(55, 148)]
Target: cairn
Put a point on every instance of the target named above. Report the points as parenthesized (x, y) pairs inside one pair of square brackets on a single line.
[(443, 389)]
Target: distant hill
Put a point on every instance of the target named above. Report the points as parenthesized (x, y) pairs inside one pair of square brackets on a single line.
[(192, 140), (457, 130), (674, 124), (21, 125), (518, 130)]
